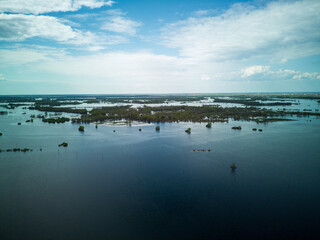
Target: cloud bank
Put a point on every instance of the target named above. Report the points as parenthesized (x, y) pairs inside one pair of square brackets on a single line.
[(279, 31), (46, 6), (237, 50)]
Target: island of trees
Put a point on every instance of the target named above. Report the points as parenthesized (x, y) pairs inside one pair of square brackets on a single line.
[(246, 107)]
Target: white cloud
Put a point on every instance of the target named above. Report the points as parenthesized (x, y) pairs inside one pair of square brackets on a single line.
[(253, 70), (139, 71), (118, 23), (18, 56), (259, 73), (307, 76), (2, 78), (117, 65), (19, 27), (278, 31), (45, 6), (201, 12), (205, 77)]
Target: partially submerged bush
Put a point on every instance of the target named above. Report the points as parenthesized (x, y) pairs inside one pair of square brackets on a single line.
[(157, 128), (236, 127), (208, 125), (81, 128), (188, 130), (64, 144), (233, 166)]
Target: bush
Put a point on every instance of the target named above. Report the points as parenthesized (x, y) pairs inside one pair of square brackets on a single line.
[(236, 127), (233, 166), (81, 128), (157, 128), (188, 130), (208, 125), (64, 144)]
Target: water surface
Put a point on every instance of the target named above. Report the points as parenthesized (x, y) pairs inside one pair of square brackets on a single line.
[(151, 185)]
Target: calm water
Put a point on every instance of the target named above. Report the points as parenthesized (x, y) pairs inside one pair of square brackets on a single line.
[(147, 185)]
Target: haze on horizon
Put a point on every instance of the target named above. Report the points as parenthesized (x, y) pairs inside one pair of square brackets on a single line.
[(161, 46)]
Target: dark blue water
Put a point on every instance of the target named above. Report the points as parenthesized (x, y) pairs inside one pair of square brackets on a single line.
[(147, 185)]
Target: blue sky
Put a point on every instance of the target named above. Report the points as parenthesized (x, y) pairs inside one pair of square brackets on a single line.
[(141, 46)]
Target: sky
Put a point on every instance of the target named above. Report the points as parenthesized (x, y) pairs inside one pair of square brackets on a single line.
[(159, 46)]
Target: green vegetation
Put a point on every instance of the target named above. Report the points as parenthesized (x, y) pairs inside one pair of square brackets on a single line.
[(206, 113), (251, 102), (19, 123), (201, 150), (56, 120), (14, 105), (260, 130), (176, 114), (254, 129), (64, 144), (140, 129), (236, 127), (81, 128), (17, 150), (188, 130), (157, 128), (266, 120), (233, 166), (56, 109), (1, 134), (59, 100), (56, 102), (3, 112)]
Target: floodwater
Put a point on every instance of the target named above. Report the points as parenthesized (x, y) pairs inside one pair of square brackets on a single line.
[(129, 184)]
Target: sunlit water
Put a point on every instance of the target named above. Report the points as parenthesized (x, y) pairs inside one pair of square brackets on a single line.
[(151, 185)]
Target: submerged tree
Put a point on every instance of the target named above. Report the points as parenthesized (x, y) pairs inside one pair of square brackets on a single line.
[(233, 166), (64, 144), (188, 130)]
